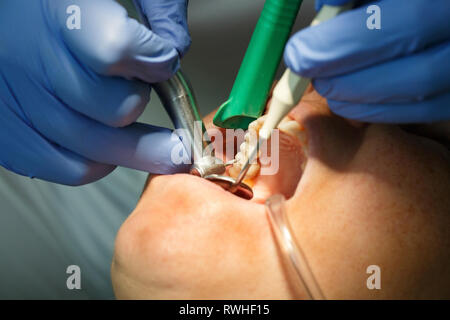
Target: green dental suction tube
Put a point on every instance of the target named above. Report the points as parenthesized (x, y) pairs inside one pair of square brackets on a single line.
[(256, 74)]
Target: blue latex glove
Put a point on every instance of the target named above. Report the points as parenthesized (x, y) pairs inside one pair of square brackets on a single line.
[(67, 112), (398, 74)]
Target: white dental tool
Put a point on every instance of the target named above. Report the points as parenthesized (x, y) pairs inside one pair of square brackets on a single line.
[(286, 94)]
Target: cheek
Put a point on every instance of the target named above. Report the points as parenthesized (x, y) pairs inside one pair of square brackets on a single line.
[(382, 210), (337, 224)]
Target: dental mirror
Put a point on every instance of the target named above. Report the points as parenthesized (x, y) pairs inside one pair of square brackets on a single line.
[(241, 190)]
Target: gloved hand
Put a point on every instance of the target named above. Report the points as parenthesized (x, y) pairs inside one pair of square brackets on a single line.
[(67, 112), (397, 74)]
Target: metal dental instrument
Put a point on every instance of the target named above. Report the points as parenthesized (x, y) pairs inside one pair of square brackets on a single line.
[(177, 96), (297, 264), (178, 99), (242, 190), (286, 94)]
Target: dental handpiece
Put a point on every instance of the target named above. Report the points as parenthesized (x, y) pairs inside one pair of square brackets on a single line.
[(178, 98), (286, 94)]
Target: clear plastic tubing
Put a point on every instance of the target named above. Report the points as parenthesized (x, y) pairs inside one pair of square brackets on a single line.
[(295, 259)]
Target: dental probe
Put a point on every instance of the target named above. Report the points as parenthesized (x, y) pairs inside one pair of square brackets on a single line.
[(286, 95)]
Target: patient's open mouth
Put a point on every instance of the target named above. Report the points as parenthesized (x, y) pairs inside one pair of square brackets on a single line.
[(291, 154)]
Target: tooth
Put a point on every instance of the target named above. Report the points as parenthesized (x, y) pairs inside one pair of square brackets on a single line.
[(234, 170), (249, 135), (285, 119), (253, 170), (237, 166), (257, 124), (253, 126), (239, 158), (243, 148)]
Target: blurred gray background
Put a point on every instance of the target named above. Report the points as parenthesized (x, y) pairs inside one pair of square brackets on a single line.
[(45, 227)]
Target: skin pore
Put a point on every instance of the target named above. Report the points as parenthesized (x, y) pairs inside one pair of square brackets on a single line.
[(368, 195)]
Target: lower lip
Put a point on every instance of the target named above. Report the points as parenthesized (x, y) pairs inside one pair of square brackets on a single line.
[(225, 182)]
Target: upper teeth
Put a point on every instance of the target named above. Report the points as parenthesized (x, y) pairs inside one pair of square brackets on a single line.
[(288, 126)]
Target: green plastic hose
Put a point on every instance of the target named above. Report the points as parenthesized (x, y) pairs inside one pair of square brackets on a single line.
[(256, 74)]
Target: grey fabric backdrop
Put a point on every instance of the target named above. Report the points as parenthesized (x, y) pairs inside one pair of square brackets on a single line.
[(46, 227)]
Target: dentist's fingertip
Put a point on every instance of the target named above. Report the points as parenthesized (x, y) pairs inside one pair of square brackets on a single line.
[(184, 44), (168, 19), (322, 86)]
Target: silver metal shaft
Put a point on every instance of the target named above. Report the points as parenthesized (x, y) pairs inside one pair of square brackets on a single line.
[(246, 166), (178, 98)]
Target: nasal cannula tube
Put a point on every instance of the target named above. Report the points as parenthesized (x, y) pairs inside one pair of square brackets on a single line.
[(291, 250)]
